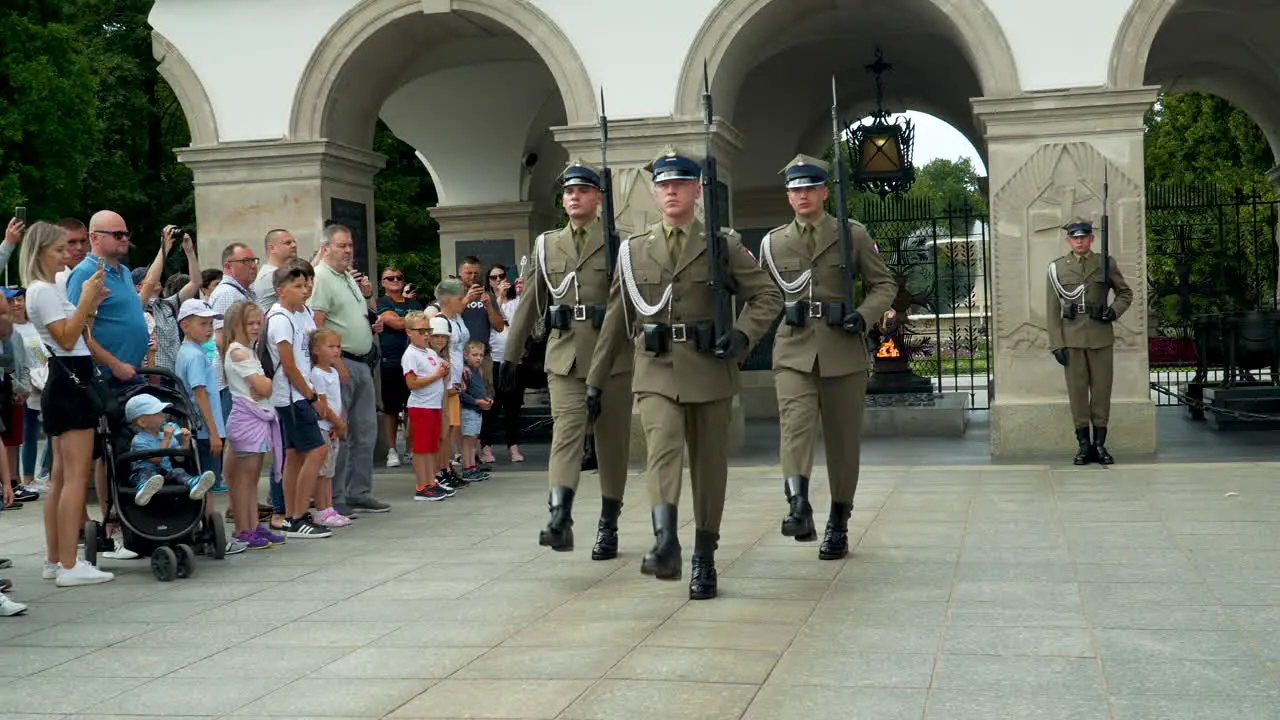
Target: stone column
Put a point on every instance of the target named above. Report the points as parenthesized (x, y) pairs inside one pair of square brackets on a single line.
[(1274, 176), (632, 144), (244, 189), (496, 232), (1047, 157)]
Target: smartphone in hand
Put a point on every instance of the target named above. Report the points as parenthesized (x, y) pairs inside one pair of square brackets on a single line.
[(20, 213)]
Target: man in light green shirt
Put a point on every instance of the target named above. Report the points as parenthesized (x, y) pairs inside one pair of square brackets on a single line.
[(342, 299)]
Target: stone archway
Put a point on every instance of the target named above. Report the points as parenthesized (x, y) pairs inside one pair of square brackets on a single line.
[(980, 35), (174, 68), (316, 97), (1133, 42)]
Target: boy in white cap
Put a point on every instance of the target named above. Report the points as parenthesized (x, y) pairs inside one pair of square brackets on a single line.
[(150, 474), (196, 370)]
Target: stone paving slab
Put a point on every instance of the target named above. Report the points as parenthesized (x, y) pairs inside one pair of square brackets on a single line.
[(1015, 591)]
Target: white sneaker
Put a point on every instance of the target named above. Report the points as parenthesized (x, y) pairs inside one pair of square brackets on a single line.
[(82, 574), (235, 547), (40, 485), (393, 460), (121, 552), (148, 489), (9, 608), (49, 571), (201, 485)]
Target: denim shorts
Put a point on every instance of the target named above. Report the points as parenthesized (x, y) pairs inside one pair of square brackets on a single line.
[(471, 422), (300, 426)]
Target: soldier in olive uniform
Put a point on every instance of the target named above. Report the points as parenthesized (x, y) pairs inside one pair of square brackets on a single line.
[(820, 356), (568, 281), (1081, 335), (685, 377)]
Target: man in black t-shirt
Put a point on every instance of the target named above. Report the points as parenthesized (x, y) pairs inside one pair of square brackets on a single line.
[(392, 307), (481, 315)]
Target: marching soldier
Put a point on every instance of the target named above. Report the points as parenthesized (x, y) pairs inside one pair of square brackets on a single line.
[(1081, 335), (820, 355), (685, 378), (568, 280)]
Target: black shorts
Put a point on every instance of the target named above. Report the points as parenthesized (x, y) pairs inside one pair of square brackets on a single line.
[(300, 427), (395, 393), (64, 403)]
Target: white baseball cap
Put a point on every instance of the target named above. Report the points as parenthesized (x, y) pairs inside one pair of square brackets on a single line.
[(197, 308)]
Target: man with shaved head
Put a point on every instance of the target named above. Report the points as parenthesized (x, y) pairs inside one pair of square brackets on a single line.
[(119, 337), (280, 248)]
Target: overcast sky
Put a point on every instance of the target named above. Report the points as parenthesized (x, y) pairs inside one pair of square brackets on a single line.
[(936, 139)]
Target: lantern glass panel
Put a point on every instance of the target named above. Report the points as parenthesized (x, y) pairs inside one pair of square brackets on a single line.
[(881, 153)]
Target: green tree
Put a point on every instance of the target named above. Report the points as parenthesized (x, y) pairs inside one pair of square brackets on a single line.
[(49, 120), (1196, 138), (408, 237)]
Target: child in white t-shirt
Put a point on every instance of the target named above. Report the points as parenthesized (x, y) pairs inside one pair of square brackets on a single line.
[(326, 349), (425, 370)]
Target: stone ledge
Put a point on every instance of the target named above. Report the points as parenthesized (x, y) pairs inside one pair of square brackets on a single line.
[(947, 417), (1045, 428)]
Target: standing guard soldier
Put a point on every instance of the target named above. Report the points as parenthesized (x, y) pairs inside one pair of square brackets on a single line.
[(820, 355), (568, 280), (685, 377), (1081, 334)]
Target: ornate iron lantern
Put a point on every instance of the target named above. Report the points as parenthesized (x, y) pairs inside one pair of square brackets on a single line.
[(880, 146)]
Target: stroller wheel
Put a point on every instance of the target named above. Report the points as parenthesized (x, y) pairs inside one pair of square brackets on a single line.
[(91, 542), (217, 536), (164, 564), (186, 561)]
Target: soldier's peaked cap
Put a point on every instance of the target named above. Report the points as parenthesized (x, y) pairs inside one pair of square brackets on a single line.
[(1078, 227), (674, 165), (579, 173), (806, 171)]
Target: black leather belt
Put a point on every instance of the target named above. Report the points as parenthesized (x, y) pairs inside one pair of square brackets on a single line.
[(369, 358), (797, 313)]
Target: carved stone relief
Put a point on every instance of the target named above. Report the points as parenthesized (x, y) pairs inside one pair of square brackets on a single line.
[(1057, 183)]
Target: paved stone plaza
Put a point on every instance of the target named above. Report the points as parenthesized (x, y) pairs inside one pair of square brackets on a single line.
[(1031, 591)]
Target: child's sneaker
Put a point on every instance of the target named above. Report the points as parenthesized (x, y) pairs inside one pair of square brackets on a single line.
[(82, 574), (432, 493), (273, 538), (393, 459), (49, 571), (253, 540), (331, 518), (200, 485), (147, 489), (120, 552), (474, 474), (303, 528), (486, 455), (9, 608), (515, 454)]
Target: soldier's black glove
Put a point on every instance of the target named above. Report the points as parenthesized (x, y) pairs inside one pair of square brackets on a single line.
[(1108, 315), (594, 395), (1061, 356), (731, 344), (854, 323), (507, 372)]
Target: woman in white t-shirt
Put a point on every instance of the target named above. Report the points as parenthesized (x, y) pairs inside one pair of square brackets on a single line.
[(68, 417)]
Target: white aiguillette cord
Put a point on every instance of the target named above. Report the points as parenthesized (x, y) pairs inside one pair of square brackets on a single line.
[(766, 258), (633, 291), (1073, 295)]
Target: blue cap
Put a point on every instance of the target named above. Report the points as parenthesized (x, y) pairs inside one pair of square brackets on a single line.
[(143, 404), (579, 174), (13, 292), (1078, 228), (671, 165), (806, 171)]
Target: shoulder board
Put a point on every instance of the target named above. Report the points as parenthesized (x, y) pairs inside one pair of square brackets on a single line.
[(780, 228), (855, 223), (633, 236)]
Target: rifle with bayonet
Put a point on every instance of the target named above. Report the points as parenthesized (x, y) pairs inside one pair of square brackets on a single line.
[(1104, 250), (842, 210), (718, 278), (607, 219)]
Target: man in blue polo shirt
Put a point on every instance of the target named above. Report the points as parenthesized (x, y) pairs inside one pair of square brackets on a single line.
[(119, 337)]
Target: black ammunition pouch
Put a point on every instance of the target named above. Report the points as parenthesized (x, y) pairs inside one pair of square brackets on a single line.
[(835, 312), (559, 317), (594, 313), (798, 313), (1094, 310), (1069, 310), (658, 337), (795, 313)]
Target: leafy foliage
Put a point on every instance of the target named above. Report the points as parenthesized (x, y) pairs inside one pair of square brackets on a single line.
[(1201, 138), (408, 237)]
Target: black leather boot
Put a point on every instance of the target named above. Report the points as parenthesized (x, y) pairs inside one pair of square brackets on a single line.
[(558, 534), (835, 542), (799, 520), (1085, 454), (702, 582), (1100, 446), (606, 547), (663, 561), (589, 461)]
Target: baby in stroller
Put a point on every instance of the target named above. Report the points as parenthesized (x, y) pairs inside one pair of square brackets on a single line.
[(146, 413)]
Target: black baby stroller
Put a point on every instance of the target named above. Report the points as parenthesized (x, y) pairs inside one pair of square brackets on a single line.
[(172, 527)]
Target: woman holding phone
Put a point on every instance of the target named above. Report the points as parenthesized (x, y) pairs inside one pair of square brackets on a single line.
[(68, 420)]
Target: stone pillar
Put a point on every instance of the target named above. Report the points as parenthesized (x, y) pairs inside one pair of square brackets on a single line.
[(632, 144), (1274, 176), (495, 232), (1047, 156), (244, 189)]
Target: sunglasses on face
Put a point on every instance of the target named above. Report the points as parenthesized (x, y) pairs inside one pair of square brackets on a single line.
[(498, 276), (419, 330), (117, 234), (394, 278)]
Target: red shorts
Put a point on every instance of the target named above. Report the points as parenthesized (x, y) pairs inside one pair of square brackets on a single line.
[(424, 424)]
